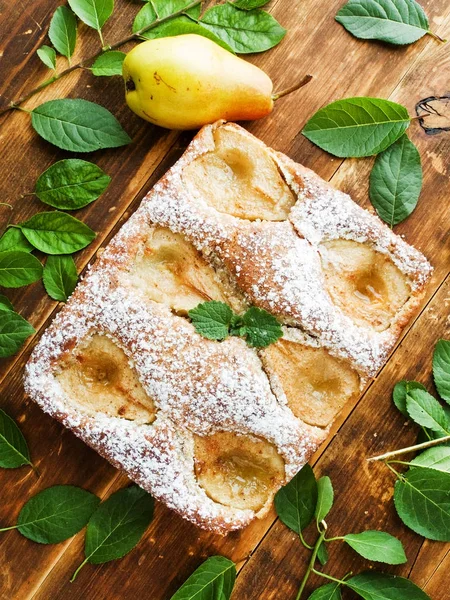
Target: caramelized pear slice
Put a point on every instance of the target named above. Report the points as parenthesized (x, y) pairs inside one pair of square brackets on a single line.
[(240, 178), (171, 271), (98, 377), (238, 471), (363, 283), (316, 384)]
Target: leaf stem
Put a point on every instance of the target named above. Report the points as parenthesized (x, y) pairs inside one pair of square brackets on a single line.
[(437, 37), (410, 449), (293, 88), (87, 61), (72, 579), (9, 528), (310, 568), (304, 542), (340, 581), (334, 539)]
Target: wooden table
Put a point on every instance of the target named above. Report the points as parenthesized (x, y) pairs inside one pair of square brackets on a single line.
[(270, 559)]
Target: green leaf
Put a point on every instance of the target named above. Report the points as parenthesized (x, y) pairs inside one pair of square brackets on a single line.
[(426, 411), (211, 319), (377, 545), (117, 525), (56, 232), (14, 330), (296, 502), (213, 580), (244, 32), (441, 369), (13, 239), (396, 181), (381, 586), (13, 447), (18, 268), (400, 392), (179, 27), (5, 304), (260, 327), (78, 125), (147, 15), (428, 434), (325, 497), (393, 21), (60, 277), (47, 56), (71, 184), (56, 514), (330, 591), (249, 4), (322, 553), (63, 31), (357, 126), (94, 13), (422, 501), (434, 458), (108, 64)]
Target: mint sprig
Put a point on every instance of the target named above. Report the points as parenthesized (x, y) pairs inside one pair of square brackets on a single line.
[(216, 321)]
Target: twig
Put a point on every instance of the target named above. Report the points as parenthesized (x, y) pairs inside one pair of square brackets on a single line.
[(437, 37), (82, 64), (410, 449)]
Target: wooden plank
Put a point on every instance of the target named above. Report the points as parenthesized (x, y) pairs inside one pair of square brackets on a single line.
[(75, 463), (363, 491)]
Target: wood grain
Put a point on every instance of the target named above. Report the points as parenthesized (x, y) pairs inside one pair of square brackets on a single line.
[(342, 66)]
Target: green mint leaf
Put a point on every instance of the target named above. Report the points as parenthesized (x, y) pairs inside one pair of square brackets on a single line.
[(56, 514), (18, 268), (60, 277), (396, 181), (147, 15), (378, 546), (57, 233), (117, 526), (260, 327), (330, 591), (400, 392), (381, 586), (322, 553), (249, 4), (47, 56), (244, 32), (13, 447), (434, 458), (78, 125), (213, 580), (325, 497), (108, 64), (14, 330), (422, 501), (211, 319), (94, 13), (392, 21), (63, 31), (5, 304), (426, 411), (441, 369), (357, 126), (71, 184), (13, 239), (296, 502)]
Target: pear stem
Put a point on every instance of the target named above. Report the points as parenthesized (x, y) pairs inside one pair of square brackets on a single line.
[(306, 79), (87, 61)]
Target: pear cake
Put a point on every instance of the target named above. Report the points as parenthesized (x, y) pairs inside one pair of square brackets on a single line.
[(214, 428)]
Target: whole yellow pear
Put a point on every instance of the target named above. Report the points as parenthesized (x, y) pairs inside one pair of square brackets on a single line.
[(187, 81)]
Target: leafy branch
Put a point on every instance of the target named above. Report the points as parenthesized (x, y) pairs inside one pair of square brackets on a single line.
[(88, 61)]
